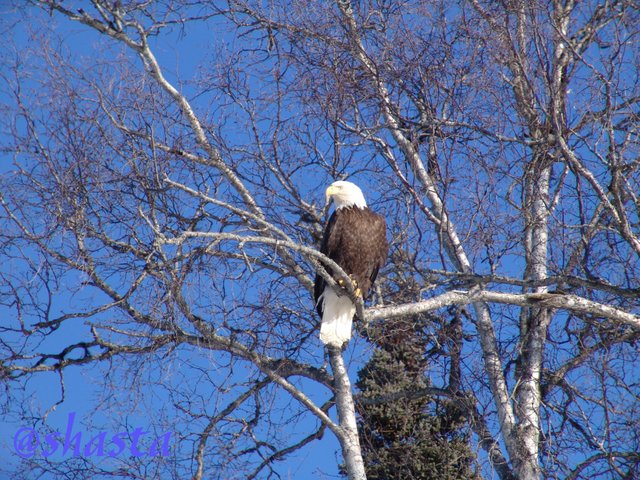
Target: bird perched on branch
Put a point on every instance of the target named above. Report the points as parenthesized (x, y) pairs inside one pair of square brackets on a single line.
[(355, 238)]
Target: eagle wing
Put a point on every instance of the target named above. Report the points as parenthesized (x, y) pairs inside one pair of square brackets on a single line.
[(373, 248), (329, 246), (379, 232), (355, 239)]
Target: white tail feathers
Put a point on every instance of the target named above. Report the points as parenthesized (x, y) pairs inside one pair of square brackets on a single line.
[(337, 316)]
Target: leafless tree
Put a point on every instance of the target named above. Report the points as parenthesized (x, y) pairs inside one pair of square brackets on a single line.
[(164, 223)]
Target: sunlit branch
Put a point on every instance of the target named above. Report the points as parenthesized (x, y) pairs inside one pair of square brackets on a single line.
[(568, 302)]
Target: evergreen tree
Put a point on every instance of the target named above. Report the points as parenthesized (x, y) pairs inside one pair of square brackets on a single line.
[(408, 436)]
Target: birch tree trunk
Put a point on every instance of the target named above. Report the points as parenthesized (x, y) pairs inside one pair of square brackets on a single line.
[(349, 440)]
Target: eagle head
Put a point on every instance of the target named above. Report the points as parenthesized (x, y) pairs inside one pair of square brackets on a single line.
[(345, 194)]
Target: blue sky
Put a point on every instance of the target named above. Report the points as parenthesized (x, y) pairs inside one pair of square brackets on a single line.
[(186, 55), (181, 55)]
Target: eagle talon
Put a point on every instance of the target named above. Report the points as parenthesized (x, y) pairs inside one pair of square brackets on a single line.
[(356, 290)]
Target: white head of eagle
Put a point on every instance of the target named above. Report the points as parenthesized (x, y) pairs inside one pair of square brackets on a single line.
[(356, 239), (345, 194)]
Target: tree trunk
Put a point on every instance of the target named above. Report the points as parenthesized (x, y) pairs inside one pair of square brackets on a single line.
[(349, 440)]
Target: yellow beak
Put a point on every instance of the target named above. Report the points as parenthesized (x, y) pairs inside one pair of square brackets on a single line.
[(331, 190)]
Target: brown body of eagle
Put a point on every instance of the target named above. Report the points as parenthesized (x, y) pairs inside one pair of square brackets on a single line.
[(355, 238)]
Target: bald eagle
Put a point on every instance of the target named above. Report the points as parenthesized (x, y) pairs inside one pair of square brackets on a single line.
[(356, 239)]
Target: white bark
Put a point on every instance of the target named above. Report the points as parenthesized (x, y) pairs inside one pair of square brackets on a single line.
[(568, 302), (446, 230), (349, 440), (533, 325)]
